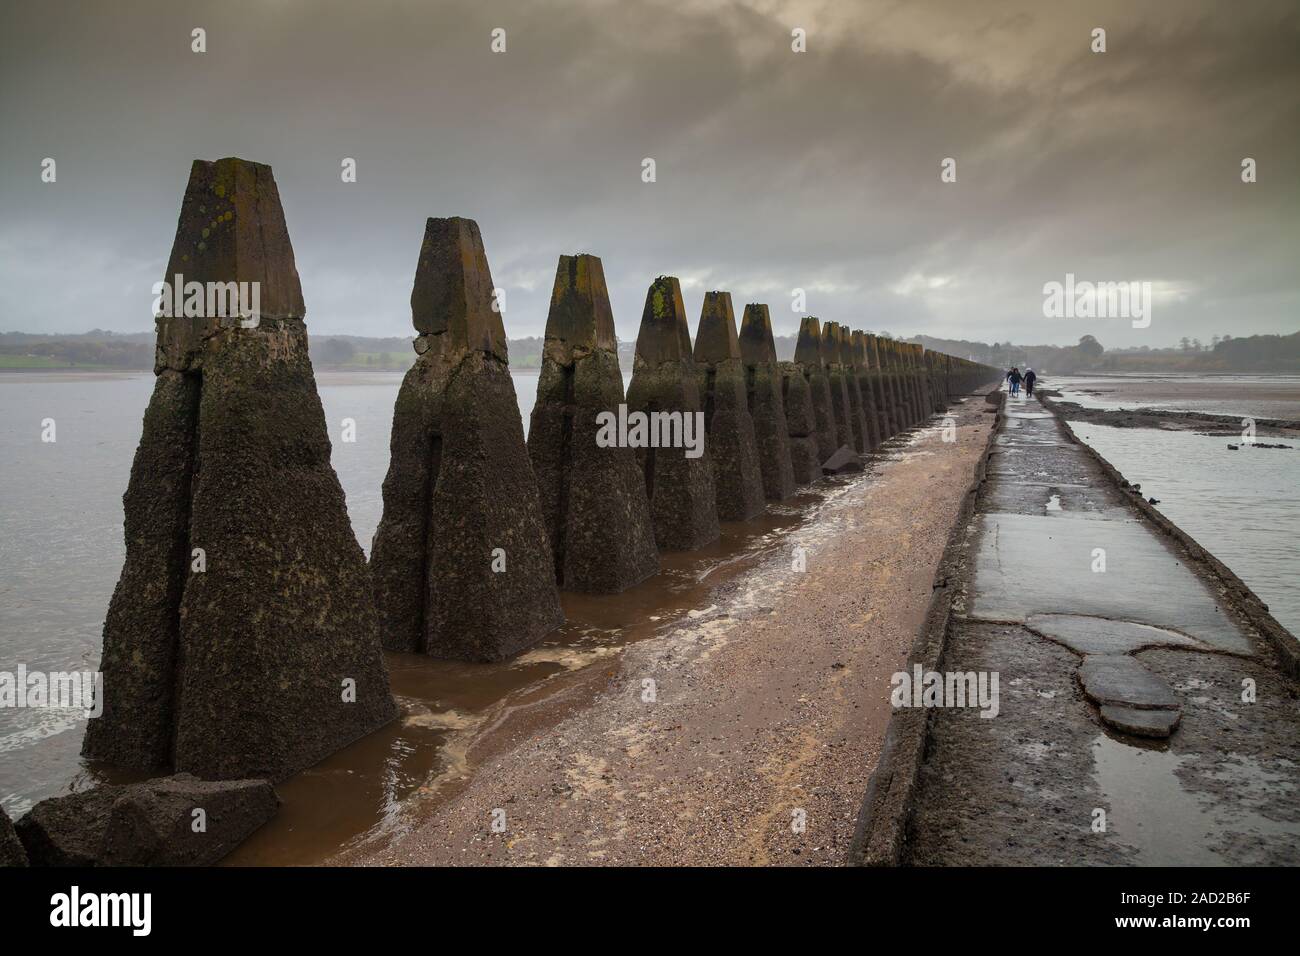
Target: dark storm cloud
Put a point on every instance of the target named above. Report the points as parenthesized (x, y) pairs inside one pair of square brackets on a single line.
[(776, 170)]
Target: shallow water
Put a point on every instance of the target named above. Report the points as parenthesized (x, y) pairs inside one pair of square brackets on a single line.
[(1253, 396), (1243, 506)]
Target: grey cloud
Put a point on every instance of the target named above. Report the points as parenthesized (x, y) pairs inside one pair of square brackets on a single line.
[(775, 170)]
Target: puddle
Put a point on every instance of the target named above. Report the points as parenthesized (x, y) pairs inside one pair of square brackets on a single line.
[(1150, 809)]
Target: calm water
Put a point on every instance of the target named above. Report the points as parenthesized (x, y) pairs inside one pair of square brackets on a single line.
[(1244, 505)]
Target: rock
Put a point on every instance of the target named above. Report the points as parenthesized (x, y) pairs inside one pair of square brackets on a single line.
[(11, 848), (805, 459), (593, 498), (1141, 723), (844, 460), (763, 386), (733, 448), (268, 659), (1122, 680), (808, 355), (461, 562), (147, 824), (683, 504)]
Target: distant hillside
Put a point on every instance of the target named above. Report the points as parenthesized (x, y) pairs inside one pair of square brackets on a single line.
[(100, 349), (1255, 353)]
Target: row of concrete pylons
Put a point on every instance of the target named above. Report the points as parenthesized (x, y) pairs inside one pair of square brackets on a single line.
[(244, 636)]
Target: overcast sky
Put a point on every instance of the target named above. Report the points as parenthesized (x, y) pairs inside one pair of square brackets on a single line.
[(775, 169)]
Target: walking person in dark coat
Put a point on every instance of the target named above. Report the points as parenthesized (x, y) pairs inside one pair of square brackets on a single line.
[(1030, 379), (1014, 378)]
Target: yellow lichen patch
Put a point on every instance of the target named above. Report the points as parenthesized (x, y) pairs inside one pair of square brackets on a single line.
[(229, 215), (219, 189), (205, 233)]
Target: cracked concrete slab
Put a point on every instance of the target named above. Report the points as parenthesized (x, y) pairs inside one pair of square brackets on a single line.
[(1141, 723), (1031, 564), (1098, 635), (1119, 680)]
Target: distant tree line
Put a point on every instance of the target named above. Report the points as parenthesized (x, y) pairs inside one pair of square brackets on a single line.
[(1255, 353), (1226, 353)]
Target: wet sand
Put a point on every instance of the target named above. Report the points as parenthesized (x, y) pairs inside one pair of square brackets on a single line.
[(746, 733), (1234, 395)]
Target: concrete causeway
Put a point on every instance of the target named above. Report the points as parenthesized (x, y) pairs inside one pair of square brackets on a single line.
[(1141, 720)]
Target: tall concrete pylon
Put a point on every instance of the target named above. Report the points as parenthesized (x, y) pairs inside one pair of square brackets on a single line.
[(894, 376), (862, 375), (879, 387), (796, 394), (241, 640), (733, 448), (592, 492), (462, 563), (808, 355), (915, 363), (830, 343), (857, 407), (763, 387), (665, 388)]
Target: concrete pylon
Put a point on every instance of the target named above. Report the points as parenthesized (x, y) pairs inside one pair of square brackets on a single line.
[(733, 448), (894, 377), (664, 388), (830, 343), (909, 382), (241, 640), (879, 389), (857, 407), (461, 561), (801, 422), (763, 387), (862, 376), (808, 355), (592, 493), (916, 386), (938, 376)]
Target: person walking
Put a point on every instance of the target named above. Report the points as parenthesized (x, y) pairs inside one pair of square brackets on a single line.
[(1014, 378), (1030, 378)]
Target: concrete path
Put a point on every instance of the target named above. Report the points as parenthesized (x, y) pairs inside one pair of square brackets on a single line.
[(1139, 720)]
